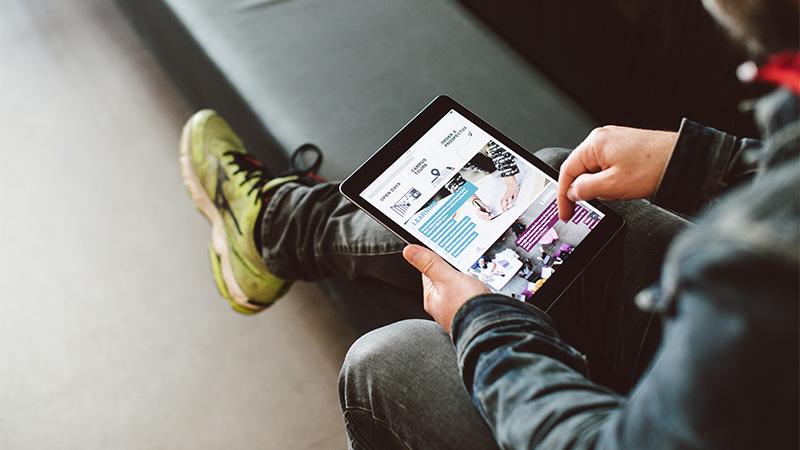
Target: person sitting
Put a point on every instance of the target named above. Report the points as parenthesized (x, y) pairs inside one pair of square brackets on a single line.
[(494, 372)]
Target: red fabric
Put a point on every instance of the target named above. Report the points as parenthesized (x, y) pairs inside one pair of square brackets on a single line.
[(782, 69)]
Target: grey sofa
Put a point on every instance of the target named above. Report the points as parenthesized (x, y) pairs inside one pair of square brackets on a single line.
[(347, 74)]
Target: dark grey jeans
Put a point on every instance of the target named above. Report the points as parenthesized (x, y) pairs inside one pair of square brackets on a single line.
[(399, 386)]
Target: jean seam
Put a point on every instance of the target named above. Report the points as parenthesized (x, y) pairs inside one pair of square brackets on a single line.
[(350, 253), (272, 204), (641, 346), (270, 260), (378, 421), (370, 249)]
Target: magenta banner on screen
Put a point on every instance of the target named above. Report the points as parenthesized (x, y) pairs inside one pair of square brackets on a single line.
[(582, 214), (539, 227), (547, 219)]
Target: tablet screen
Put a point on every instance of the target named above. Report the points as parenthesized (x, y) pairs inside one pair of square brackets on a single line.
[(488, 211)]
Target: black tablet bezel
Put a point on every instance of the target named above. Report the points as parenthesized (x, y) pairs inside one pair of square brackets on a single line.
[(379, 162)]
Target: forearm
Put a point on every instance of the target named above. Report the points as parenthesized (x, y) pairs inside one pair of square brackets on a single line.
[(530, 386), (725, 375)]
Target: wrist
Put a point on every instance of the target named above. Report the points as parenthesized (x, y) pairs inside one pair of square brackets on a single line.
[(667, 159)]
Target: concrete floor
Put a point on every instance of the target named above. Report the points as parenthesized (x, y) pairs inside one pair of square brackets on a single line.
[(112, 333)]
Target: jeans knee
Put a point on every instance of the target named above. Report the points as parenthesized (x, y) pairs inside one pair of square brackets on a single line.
[(399, 380), (383, 355), (385, 345), (553, 156)]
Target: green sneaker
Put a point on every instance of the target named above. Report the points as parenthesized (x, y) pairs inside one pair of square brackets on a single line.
[(229, 187)]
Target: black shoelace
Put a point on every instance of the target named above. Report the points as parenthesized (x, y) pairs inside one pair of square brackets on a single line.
[(255, 170)]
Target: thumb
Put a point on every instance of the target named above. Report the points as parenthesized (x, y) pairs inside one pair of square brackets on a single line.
[(589, 186), (428, 263)]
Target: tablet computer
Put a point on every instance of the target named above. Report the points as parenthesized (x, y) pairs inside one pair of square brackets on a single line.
[(453, 183)]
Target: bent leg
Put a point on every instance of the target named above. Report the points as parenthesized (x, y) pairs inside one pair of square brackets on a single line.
[(311, 233), (400, 388)]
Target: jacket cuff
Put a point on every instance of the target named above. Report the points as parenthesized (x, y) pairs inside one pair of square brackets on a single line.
[(696, 168), (488, 310)]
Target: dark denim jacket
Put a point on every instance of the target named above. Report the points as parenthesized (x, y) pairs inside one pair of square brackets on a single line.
[(726, 375)]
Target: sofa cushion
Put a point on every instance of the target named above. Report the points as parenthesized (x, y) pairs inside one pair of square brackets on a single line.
[(347, 74)]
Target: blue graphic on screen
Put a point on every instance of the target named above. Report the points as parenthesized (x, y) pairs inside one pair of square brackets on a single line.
[(443, 230)]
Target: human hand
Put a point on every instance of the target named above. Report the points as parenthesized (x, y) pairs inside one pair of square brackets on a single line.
[(482, 210), (444, 288), (614, 163), (509, 198)]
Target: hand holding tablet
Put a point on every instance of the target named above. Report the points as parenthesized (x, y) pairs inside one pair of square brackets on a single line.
[(444, 288), (454, 184)]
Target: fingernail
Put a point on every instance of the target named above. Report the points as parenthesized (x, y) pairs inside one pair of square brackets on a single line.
[(410, 253)]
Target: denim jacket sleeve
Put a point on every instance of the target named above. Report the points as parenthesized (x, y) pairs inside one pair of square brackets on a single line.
[(725, 375), (704, 164), (531, 387)]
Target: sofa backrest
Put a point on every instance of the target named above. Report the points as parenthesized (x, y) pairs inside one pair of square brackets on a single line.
[(643, 63)]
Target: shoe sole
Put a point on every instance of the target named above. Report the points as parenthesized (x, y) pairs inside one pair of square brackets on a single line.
[(222, 266)]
